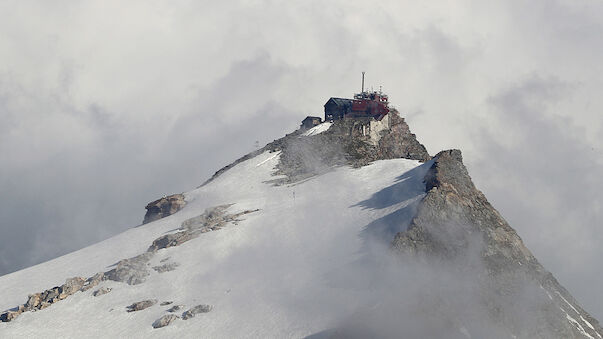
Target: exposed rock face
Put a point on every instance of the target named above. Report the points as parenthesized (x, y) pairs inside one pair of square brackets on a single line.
[(170, 240), (39, 301), (399, 142), (350, 141), (132, 271), (141, 305), (456, 224), (164, 321), (196, 310), (72, 285), (212, 219), (163, 207), (93, 281)]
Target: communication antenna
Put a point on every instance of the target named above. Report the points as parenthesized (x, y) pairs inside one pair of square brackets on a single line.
[(362, 83)]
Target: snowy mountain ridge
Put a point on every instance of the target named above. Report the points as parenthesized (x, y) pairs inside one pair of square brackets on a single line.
[(325, 233)]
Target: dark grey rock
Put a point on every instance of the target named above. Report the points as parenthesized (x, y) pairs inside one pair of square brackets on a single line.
[(175, 308), (141, 305), (196, 310), (8, 316), (164, 321), (101, 291), (165, 303)]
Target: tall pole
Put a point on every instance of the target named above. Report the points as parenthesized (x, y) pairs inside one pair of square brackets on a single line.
[(362, 82)]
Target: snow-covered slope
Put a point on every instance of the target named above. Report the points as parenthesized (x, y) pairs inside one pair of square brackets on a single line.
[(283, 271), (318, 129)]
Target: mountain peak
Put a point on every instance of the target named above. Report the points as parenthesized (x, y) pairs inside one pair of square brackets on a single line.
[(345, 228)]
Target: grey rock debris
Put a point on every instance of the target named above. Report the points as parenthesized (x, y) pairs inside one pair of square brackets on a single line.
[(196, 310), (101, 291), (167, 267), (141, 305), (164, 320), (175, 308), (212, 219), (132, 271)]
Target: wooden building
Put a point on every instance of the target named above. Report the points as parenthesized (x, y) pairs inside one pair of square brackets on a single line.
[(310, 122)]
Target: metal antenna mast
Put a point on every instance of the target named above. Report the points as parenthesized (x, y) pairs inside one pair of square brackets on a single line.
[(362, 83)]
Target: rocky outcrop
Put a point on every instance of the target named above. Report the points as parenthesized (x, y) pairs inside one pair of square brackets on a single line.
[(164, 321), (42, 300), (456, 225), (141, 305), (399, 142), (212, 219), (170, 240), (132, 271), (196, 310), (350, 141), (163, 207), (93, 281)]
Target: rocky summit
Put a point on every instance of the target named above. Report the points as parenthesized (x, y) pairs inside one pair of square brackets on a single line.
[(342, 229)]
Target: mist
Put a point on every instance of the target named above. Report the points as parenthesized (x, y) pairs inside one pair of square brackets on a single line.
[(105, 106)]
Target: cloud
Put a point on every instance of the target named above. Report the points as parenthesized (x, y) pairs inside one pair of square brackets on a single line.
[(106, 106), (547, 181)]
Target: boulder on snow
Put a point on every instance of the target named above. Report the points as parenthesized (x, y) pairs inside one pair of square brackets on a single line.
[(196, 310), (141, 305), (170, 240), (165, 320), (163, 207), (175, 308), (132, 271), (101, 291)]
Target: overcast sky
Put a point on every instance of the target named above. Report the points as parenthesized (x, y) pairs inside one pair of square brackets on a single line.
[(107, 105)]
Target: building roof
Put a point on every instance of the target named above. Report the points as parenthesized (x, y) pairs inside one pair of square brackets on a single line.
[(340, 101), (311, 118)]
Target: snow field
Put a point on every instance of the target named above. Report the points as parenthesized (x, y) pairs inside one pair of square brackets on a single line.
[(281, 272)]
